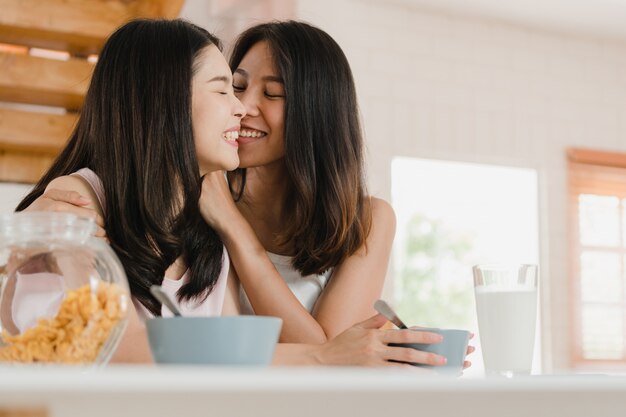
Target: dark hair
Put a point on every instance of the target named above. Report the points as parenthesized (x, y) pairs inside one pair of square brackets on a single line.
[(135, 132), (331, 216)]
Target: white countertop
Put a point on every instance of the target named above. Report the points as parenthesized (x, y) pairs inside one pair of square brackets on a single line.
[(173, 391)]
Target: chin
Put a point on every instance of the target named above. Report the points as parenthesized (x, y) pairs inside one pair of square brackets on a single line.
[(232, 167)]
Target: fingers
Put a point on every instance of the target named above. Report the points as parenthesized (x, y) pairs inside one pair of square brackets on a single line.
[(470, 349), (410, 336), (409, 355), (69, 202), (215, 177), (374, 322), (64, 201), (101, 233), (71, 197), (393, 364), (63, 207), (466, 364)]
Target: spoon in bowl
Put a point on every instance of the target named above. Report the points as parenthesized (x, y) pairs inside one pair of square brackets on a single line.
[(165, 299), (383, 308)]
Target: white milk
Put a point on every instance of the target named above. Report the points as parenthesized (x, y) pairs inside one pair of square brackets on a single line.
[(506, 324)]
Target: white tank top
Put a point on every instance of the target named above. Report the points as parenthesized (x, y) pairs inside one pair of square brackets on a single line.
[(307, 289)]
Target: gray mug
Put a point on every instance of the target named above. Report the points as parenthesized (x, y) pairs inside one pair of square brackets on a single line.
[(453, 348)]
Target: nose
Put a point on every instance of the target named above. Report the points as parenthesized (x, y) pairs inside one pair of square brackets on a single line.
[(240, 109), (250, 103)]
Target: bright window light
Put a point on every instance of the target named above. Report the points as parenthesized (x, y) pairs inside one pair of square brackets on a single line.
[(451, 216)]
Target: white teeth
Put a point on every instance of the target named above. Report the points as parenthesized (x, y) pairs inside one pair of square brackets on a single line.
[(232, 135), (248, 133)]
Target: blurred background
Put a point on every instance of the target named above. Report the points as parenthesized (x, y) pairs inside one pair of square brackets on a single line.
[(496, 128)]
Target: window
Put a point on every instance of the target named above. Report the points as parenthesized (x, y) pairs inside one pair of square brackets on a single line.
[(597, 184), (450, 217)]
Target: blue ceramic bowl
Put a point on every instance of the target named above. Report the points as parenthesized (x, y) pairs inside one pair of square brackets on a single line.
[(453, 347), (233, 340)]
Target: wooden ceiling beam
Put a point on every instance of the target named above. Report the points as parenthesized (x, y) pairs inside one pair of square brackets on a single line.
[(77, 26), (28, 79), (36, 132)]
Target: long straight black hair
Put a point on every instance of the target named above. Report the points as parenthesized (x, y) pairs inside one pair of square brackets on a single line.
[(331, 214), (135, 132)]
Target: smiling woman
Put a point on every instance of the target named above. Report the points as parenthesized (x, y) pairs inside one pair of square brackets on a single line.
[(262, 132), (212, 101), (156, 118), (305, 237)]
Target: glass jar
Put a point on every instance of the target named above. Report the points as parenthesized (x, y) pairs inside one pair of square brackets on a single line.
[(64, 296)]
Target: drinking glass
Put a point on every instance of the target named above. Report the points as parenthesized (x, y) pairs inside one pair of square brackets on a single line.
[(506, 303)]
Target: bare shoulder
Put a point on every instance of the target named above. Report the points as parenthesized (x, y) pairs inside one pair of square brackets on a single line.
[(382, 213), (71, 183)]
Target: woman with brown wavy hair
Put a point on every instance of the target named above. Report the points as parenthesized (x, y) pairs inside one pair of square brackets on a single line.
[(306, 240)]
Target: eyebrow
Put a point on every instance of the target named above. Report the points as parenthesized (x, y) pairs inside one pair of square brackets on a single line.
[(220, 78), (270, 78), (273, 78)]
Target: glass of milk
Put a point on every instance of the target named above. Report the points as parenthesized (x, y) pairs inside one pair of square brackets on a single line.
[(506, 303)]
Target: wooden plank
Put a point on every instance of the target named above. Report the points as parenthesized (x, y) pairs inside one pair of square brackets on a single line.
[(168, 9), (23, 412), (78, 26), (28, 79), (25, 167), (71, 25), (34, 132), (597, 157)]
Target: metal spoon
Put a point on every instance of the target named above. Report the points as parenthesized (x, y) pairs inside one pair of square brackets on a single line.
[(165, 299), (383, 308)]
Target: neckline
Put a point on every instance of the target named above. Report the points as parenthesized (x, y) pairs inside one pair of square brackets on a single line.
[(280, 259)]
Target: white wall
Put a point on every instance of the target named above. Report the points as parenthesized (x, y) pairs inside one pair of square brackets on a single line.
[(447, 87), (12, 194), (457, 88), (228, 18)]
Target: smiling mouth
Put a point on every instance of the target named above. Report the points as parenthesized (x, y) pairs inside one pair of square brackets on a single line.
[(251, 133), (231, 136)]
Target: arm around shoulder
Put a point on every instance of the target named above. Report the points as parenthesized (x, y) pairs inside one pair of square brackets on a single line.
[(75, 184)]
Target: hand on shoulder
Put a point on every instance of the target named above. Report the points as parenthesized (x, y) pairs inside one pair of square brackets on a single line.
[(70, 194)]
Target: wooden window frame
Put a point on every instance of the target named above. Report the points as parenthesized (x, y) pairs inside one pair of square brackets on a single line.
[(581, 166)]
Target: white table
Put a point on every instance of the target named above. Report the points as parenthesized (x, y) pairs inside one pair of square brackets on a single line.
[(177, 391)]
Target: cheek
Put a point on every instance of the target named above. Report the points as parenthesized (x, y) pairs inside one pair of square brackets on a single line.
[(209, 118), (278, 131), (277, 118)]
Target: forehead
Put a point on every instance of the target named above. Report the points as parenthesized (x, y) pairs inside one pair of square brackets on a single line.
[(259, 57), (211, 62)]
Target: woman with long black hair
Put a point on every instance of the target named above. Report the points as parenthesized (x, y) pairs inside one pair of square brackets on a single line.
[(159, 114)]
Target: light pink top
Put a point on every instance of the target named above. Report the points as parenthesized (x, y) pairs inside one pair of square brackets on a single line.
[(211, 306)]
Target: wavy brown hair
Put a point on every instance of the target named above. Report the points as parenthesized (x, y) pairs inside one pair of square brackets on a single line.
[(331, 213), (135, 132)]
